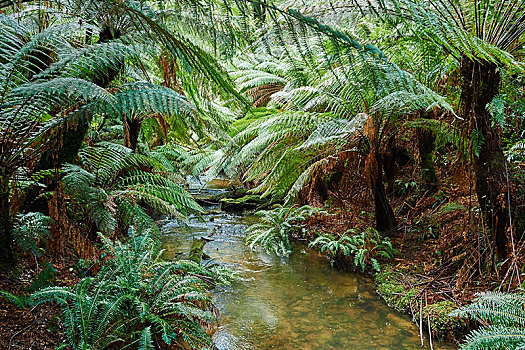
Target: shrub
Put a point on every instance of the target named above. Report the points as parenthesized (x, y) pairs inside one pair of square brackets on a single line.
[(365, 246), (273, 230), (137, 299)]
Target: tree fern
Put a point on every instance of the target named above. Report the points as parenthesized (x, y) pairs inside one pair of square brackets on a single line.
[(113, 179), (29, 230)]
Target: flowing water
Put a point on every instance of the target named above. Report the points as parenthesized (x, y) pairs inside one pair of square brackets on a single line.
[(299, 302)]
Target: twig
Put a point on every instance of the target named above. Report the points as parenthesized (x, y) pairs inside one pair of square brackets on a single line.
[(421, 322), (23, 329), (429, 328)]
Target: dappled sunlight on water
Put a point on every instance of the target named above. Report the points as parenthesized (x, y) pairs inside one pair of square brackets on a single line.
[(299, 302)]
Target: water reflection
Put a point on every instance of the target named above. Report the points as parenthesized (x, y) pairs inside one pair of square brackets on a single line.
[(295, 303)]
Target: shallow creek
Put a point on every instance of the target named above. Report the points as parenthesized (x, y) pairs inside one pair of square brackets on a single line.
[(300, 302)]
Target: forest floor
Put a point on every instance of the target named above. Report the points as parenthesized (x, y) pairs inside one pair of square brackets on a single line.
[(36, 327)]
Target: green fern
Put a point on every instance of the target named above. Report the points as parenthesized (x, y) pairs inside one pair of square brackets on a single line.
[(29, 230), (113, 183), (273, 231), (366, 247), (136, 299), (503, 318)]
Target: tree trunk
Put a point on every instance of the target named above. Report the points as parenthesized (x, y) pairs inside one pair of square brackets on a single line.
[(6, 252), (480, 84), (131, 132), (65, 149), (426, 141), (385, 219)]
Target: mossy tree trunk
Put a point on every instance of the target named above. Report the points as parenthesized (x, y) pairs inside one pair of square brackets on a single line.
[(6, 252), (480, 84), (426, 142)]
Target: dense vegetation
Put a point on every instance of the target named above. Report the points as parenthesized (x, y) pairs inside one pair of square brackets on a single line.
[(375, 129)]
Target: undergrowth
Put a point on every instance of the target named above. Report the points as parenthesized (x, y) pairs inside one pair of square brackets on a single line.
[(137, 301)]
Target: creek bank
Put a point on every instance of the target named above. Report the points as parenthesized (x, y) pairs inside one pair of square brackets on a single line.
[(403, 293), (394, 288), (297, 302), (388, 284), (248, 202), (232, 200)]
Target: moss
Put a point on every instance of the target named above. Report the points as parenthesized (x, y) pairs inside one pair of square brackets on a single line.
[(248, 202), (393, 291), (444, 327), (248, 198)]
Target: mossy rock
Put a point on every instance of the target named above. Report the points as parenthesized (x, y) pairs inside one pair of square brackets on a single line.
[(249, 202), (213, 199), (444, 327), (391, 289)]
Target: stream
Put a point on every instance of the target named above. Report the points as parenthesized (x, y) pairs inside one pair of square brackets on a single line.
[(299, 302)]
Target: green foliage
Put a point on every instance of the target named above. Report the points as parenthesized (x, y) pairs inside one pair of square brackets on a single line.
[(390, 286), (406, 187), (115, 184), (503, 317), (343, 245), (20, 301), (136, 298), (275, 226), (45, 278), (366, 247), (327, 85), (477, 140), (476, 31), (497, 110), (29, 229)]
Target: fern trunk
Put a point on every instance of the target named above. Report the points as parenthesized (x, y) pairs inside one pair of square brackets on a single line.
[(6, 253), (426, 141), (385, 219), (131, 132), (480, 84)]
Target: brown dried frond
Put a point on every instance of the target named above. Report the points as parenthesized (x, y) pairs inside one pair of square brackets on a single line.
[(64, 231)]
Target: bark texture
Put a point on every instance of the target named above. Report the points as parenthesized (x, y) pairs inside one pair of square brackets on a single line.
[(6, 239), (426, 142), (480, 84), (385, 219), (131, 132)]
